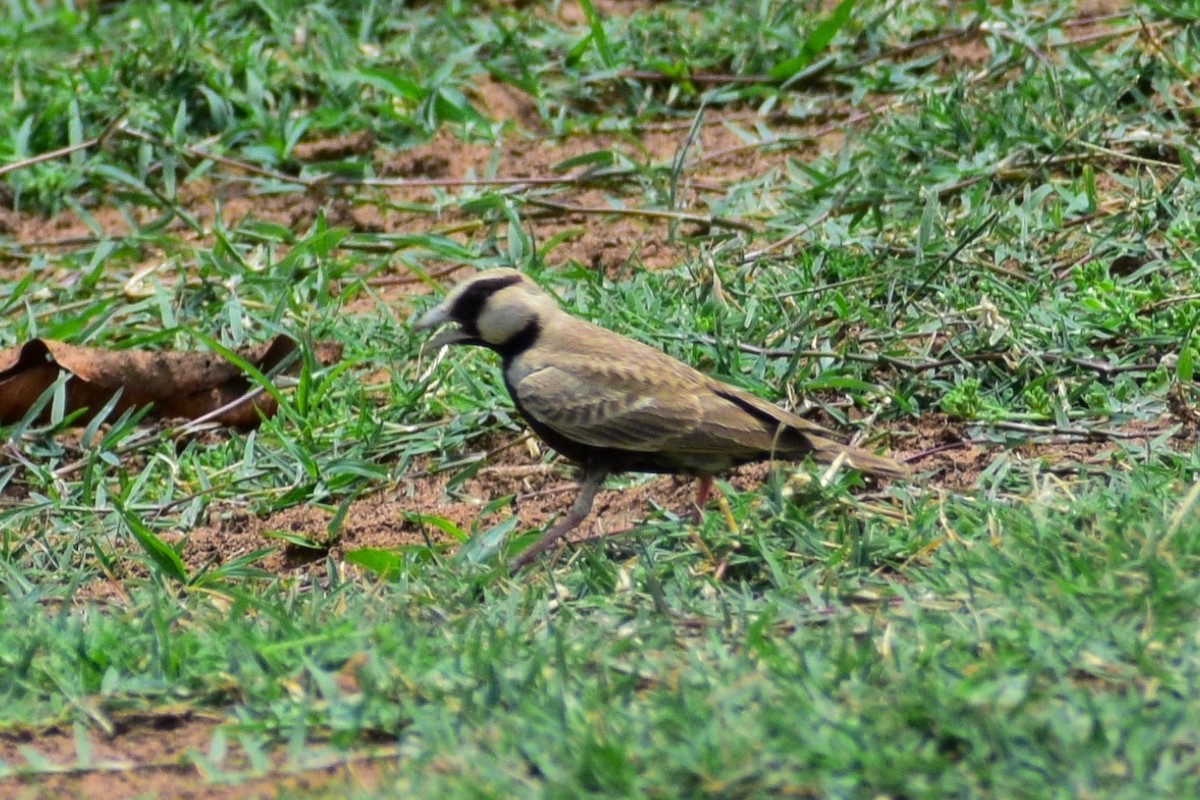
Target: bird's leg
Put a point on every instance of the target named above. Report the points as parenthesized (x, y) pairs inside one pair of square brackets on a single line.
[(703, 493), (592, 481)]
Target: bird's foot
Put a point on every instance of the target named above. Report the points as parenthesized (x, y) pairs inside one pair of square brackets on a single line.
[(565, 526), (704, 490), (592, 481)]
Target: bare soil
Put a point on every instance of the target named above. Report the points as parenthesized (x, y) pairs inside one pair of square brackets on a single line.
[(162, 755)]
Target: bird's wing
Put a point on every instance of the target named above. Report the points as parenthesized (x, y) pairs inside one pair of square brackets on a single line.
[(649, 402), (610, 405), (735, 407), (789, 435)]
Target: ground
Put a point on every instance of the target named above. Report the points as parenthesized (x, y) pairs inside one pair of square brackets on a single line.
[(144, 754)]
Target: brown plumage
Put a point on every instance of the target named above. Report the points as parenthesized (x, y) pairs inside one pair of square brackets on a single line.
[(612, 404)]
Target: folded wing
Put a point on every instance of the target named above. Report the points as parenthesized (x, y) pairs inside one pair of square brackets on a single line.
[(622, 407)]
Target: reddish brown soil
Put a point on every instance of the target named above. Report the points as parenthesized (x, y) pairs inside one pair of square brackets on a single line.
[(157, 756)]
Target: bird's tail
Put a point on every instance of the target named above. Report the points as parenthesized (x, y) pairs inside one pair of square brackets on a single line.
[(800, 437), (829, 451), (880, 466)]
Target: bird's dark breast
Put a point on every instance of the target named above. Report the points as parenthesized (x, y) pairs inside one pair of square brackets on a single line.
[(514, 347), (613, 459), (674, 463)]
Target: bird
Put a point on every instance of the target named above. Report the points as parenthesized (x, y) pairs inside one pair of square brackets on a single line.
[(612, 404)]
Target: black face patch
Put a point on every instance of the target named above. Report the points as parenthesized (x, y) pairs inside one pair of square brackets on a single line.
[(466, 308)]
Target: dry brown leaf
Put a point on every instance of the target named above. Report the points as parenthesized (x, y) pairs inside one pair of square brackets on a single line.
[(178, 384)]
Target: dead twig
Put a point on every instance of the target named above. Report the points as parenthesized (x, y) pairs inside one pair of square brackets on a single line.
[(993, 356), (942, 448), (401, 280), (839, 125), (1090, 434), (717, 78), (519, 470), (680, 216), (51, 155)]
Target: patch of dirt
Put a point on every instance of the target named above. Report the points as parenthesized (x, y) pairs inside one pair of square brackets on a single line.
[(593, 232), (938, 449), (151, 755), (969, 48), (540, 492), (502, 101), (336, 148), (968, 54), (572, 13), (1097, 8), (942, 451)]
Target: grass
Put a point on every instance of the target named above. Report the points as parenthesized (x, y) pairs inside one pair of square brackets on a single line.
[(996, 240)]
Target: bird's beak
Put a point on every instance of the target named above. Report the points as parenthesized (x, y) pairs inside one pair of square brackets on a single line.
[(438, 316)]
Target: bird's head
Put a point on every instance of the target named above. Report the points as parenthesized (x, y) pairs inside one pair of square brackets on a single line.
[(498, 308)]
